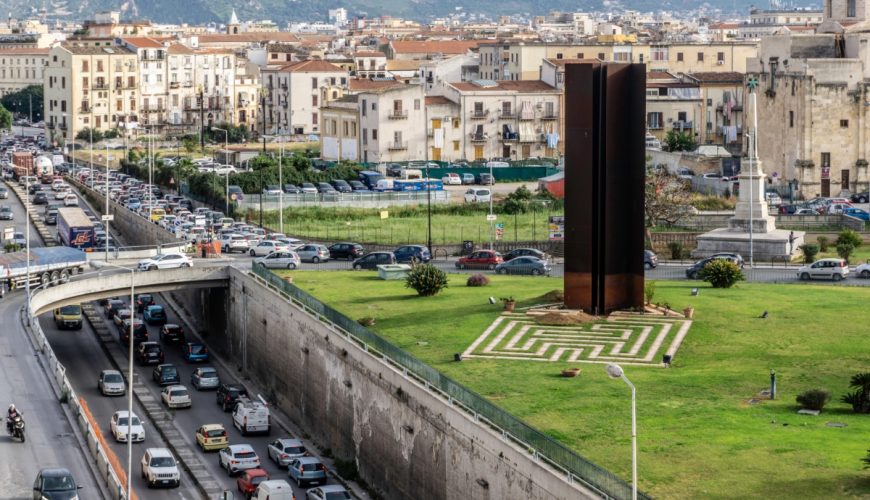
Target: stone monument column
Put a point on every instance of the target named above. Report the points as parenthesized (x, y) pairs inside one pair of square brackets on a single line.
[(752, 210)]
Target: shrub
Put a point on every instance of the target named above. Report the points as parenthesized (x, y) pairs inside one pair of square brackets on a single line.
[(649, 291), (810, 251), (722, 273), (477, 280), (823, 243), (814, 399), (849, 236), (860, 397), (366, 321), (676, 248), (426, 279), (845, 250), (866, 460)]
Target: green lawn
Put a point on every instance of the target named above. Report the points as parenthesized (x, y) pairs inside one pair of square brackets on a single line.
[(698, 436)]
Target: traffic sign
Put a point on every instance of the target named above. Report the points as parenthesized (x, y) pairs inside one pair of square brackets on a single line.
[(490, 217), (108, 218)]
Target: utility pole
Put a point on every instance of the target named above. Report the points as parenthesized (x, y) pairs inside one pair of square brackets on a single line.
[(201, 121), (263, 100)]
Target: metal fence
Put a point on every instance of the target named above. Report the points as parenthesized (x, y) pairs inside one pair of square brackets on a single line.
[(364, 200), (539, 444)]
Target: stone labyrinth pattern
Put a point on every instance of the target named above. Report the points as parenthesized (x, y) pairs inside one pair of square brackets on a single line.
[(624, 338)]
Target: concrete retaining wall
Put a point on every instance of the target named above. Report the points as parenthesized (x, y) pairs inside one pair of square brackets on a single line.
[(406, 441)]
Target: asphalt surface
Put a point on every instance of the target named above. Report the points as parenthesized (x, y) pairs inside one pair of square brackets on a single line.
[(19, 221)]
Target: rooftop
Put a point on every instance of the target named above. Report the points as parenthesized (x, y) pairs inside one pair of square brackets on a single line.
[(717, 77), (433, 47), (146, 42), (437, 100), (310, 66), (505, 86)]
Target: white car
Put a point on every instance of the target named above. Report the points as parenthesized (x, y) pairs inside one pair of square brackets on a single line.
[(833, 269), (452, 179), (773, 199), (19, 239), (159, 468), (285, 259), (175, 396), (165, 261), (118, 425), (233, 242), (225, 170), (477, 195), (863, 271), (70, 200), (62, 193), (328, 492), (266, 247), (238, 457)]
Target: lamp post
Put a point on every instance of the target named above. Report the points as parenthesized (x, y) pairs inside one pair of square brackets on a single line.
[(491, 221), (281, 186), (201, 120), (91, 149), (429, 208), (615, 371), (98, 265), (27, 239), (227, 174), (107, 203), (263, 113)]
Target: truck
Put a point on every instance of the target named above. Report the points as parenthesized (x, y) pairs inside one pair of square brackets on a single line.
[(370, 178), (74, 229), (48, 266), (22, 163)]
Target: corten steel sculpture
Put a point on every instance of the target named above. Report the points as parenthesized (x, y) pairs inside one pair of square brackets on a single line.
[(605, 129)]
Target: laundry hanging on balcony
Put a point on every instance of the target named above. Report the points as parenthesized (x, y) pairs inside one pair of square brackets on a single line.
[(507, 132), (527, 132), (552, 138), (438, 138), (527, 112)]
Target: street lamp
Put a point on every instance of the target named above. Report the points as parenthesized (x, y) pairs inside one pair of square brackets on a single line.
[(491, 219), (99, 265), (106, 213), (281, 186), (27, 238), (263, 113), (615, 371), (227, 174), (429, 208)]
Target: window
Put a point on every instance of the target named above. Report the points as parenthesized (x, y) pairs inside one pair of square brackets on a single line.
[(119, 105), (679, 57), (397, 137), (374, 134), (62, 106), (416, 104), (314, 100), (364, 107), (455, 145), (720, 56), (345, 129), (85, 82), (700, 57), (314, 83), (826, 160), (365, 136), (131, 81), (84, 65), (791, 119), (558, 55), (601, 56), (63, 82), (99, 65), (654, 120), (374, 106), (580, 55), (850, 8), (456, 123), (844, 123), (314, 118), (681, 116)]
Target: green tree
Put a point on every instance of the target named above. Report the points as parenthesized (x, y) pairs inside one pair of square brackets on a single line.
[(25, 101), (5, 118), (721, 273), (859, 398), (679, 141), (667, 199), (86, 134), (810, 251), (845, 250), (426, 279), (850, 237)]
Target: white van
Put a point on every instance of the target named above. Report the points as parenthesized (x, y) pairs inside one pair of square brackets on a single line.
[(384, 185), (251, 416), (412, 173), (497, 164), (276, 489)]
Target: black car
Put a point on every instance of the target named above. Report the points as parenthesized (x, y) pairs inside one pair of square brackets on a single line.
[(292, 189), (342, 186), (347, 251), (524, 252), (695, 270), (373, 260), (113, 306), (228, 394), (40, 198), (140, 332), (170, 332), (34, 188), (485, 180), (143, 300), (149, 353), (55, 484), (860, 197), (325, 187), (359, 187), (166, 374), (395, 170), (650, 259)]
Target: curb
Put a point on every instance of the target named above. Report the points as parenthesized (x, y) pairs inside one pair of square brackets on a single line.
[(159, 417)]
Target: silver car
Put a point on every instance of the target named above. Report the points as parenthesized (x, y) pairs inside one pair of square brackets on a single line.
[(111, 383), (205, 377), (313, 253), (282, 451), (279, 260)]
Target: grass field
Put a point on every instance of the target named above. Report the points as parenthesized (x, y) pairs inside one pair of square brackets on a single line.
[(698, 436)]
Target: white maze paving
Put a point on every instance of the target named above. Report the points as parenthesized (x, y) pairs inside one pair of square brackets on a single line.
[(627, 338)]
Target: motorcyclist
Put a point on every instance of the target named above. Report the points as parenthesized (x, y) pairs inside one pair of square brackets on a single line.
[(11, 413)]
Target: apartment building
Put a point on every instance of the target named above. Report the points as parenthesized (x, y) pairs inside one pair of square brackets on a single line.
[(672, 104), (508, 119), (339, 136), (89, 86), (444, 129), (20, 68), (294, 95), (430, 49), (721, 113), (152, 56), (370, 63), (392, 123), (437, 72), (770, 22)]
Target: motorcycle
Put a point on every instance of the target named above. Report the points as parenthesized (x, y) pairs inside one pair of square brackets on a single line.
[(16, 427)]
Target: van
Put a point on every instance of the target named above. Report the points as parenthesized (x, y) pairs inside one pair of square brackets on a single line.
[(384, 185), (251, 416), (275, 489), (68, 317), (412, 173)]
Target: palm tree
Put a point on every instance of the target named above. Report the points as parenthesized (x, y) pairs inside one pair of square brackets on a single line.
[(860, 397)]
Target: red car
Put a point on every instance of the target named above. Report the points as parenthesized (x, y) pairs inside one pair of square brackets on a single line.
[(481, 259), (250, 479)]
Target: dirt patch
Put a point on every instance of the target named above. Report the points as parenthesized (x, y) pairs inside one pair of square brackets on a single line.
[(565, 318), (553, 297)]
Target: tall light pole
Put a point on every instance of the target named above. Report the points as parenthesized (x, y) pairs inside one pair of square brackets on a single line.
[(615, 371), (27, 238), (281, 186), (106, 213), (227, 174), (429, 209), (97, 265), (91, 149), (491, 221), (150, 174)]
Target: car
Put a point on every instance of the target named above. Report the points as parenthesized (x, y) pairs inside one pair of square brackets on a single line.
[(266, 247), (805, 211), (306, 470), (712, 175), (695, 271), (309, 188), (175, 396), (194, 352), (342, 186), (140, 332), (373, 260), (837, 208), (328, 492), (407, 253), (773, 199), (863, 270), (833, 269), (685, 173), (165, 374), (250, 480), (55, 483), (159, 468), (170, 332), (359, 187), (251, 416), (788, 209), (40, 198), (272, 189), (650, 259), (292, 189), (112, 306), (349, 251), (51, 217), (143, 300), (4, 193), (857, 213), (524, 252), (149, 353), (283, 450), (279, 260), (228, 394), (524, 265), (313, 253), (233, 242), (120, 430), (478, 195), (212, 437), (236, 458), (69, 200), (481, 259), (855, 198), (468, 178), (6, 213), (205, 377), (111, 383), (165, 261), (154, 315), (19, 239), (452, 179), (485, 179), (732, 256), (395, 169), (325, 188)]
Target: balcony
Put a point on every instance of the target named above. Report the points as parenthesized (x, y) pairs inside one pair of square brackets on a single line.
[(479, 137), (507, 115), (550, 116), (84, 109), (63, 126), (479, 114), (174, 85), (511, 137), (529, 138), (153, 109), (100, 86), (398, 146), (188, 84), (398, 114), (526, 117), (682, 125)]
